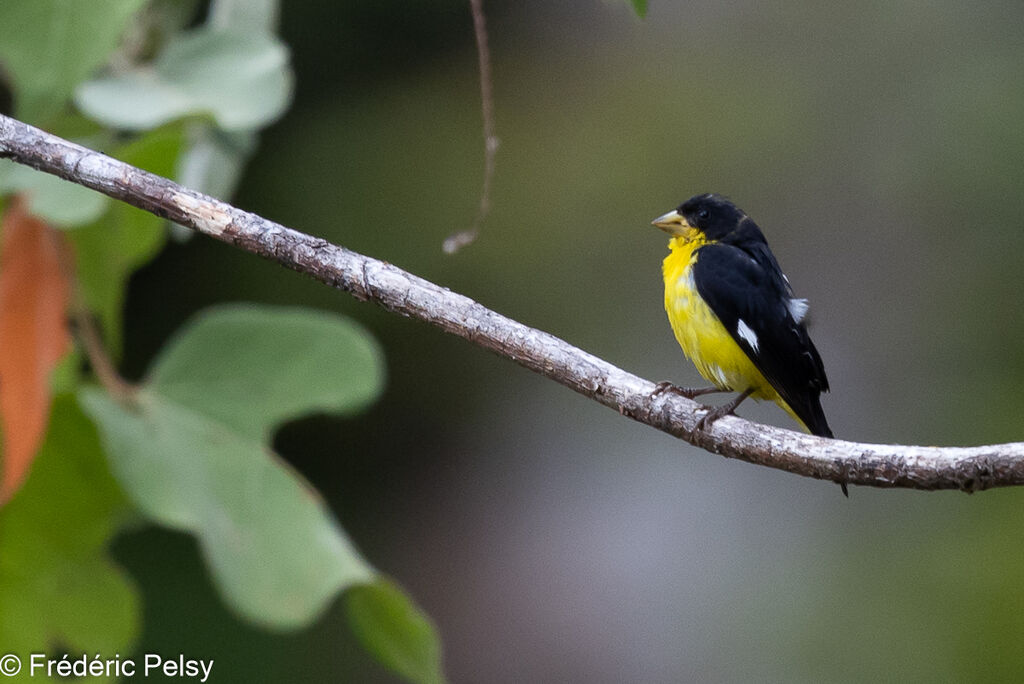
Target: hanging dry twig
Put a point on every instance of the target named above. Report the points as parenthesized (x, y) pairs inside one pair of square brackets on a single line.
[(457, 241)]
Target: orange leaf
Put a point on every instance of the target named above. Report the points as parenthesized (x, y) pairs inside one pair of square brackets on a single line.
[(33, 337)]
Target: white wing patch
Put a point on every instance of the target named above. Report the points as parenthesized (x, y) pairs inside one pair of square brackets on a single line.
[(797, 308), (744, 331)]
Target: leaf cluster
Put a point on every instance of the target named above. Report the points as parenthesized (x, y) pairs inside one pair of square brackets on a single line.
[(189, 447)]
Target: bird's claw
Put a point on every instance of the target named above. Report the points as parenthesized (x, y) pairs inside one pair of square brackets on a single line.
[(662, 387), (704, 422), (688, 392)]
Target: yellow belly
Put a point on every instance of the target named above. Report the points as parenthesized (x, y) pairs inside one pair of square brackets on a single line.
[(704, 339)]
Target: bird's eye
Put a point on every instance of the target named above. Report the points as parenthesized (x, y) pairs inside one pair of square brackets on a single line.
[(703, 214)]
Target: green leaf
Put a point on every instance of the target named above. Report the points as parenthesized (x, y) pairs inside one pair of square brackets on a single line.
[(640, 7), (74, 126), (65, 377), (242, 79), (57, 585), (251, 15), (252, 367), (193, 452), (395, 631), (274, 551), (110, 249), (48, 47)]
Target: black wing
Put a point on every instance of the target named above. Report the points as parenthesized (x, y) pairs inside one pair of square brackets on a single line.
[(747, 291)]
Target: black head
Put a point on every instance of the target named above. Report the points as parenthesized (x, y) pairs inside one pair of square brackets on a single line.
[(710, 218), (713, 215)]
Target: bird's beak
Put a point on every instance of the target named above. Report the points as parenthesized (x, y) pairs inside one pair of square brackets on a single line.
[(673, 223)]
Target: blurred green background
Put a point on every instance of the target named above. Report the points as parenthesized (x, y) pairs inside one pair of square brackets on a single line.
[(878, 145)]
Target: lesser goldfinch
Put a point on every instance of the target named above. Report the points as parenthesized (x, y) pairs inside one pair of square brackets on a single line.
[(734, 314)]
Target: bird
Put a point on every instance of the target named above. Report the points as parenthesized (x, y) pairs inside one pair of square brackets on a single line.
[(734, 314)]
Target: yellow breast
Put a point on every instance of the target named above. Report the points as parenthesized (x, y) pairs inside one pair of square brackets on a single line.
[(700, 333)]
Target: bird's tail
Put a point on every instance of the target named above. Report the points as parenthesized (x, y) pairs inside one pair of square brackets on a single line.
[(809, 414)]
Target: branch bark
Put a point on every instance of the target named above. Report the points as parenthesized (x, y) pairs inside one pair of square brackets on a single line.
[(879, 465)]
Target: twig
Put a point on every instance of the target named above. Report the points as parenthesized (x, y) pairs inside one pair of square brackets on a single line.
[(92, 342), (87, 332), (99, 360), (878, 465), (454, 243)]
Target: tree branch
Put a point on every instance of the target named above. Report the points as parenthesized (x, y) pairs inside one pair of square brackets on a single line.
[(919, 467)]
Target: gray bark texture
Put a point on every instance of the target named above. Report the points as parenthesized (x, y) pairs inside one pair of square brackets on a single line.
[(878, 465)]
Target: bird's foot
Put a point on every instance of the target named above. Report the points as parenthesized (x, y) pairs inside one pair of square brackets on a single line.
[(713, 414), (688, 392)]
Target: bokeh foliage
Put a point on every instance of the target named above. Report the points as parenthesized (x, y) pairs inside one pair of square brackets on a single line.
[(188, 446)]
